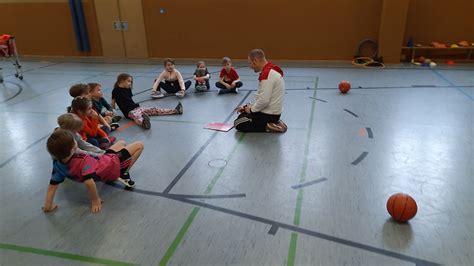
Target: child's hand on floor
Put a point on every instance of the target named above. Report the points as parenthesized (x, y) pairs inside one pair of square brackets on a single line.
[(96, 206)]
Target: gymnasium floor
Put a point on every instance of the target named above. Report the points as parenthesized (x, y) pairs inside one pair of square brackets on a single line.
[(212, 198)]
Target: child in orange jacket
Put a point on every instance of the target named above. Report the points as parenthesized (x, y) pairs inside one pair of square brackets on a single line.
[(91, 132)]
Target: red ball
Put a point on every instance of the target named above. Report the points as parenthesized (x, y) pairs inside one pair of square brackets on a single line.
[(344, 86), (401, 207)]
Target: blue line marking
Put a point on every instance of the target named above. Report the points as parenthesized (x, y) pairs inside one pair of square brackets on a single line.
[(454, 85)]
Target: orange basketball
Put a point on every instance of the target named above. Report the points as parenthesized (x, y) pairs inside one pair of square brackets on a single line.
[(344, 86), (402, 207)]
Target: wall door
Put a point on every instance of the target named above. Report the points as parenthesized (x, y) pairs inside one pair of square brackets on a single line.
[(122, 28)]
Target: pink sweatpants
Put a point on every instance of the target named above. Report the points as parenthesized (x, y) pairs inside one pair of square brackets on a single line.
[(137, 113)]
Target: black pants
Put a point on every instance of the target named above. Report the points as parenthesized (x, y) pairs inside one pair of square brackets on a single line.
[(208, 86), (254, 122), (173, 86), (221, 86)]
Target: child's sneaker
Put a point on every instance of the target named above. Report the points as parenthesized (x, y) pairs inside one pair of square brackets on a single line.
[(179, 108), (180, 94), (116, 118), (126, 176), (126, 182), (146, 124), (156, 94), (114, 126), (201, 87)]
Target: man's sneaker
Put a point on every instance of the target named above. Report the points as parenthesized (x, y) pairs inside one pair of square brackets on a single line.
[(276, 127), (126, 182), (114, 126), (236, 90), (283, 125), (179, 108), (146, 124), (180, 94), (156, 94), (116, 118)]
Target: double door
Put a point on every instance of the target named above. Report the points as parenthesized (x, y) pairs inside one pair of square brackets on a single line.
[(122, 28)]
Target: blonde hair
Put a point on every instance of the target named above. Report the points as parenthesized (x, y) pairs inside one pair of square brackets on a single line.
[(70, 122)]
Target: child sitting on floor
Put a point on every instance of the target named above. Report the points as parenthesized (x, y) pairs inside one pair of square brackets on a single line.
[(73, 123), (111, 166), (84, 91), (78, 90), (229, 79), (102, 107), (171, 81), (122, 95), (201, 76), (91, 132)]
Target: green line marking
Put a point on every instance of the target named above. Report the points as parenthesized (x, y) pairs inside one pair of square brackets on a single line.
[(299, 202), (63, 255), (179, 237), (169, 253), (221, 170), (292, 250), (299, 197)]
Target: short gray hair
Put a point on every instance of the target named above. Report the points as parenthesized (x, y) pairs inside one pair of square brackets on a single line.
[(257, 53)]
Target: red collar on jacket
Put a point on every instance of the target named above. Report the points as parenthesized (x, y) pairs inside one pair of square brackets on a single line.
[(266, 71)]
